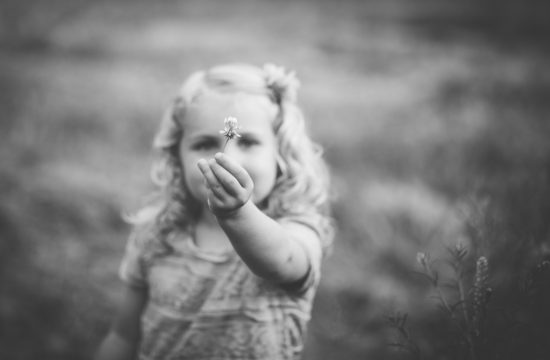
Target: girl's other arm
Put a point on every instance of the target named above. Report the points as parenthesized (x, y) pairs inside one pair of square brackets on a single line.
[(121, 343)]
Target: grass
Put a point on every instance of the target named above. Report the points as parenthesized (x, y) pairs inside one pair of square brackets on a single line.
[(418, 112)]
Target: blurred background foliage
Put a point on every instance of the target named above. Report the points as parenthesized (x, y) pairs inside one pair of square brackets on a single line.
[(434, 119)]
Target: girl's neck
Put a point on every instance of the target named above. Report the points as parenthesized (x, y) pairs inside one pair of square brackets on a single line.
[(207, 219), (209, 235)]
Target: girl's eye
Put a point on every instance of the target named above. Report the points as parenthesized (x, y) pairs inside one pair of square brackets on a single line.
[(248, 142), (204, 145)]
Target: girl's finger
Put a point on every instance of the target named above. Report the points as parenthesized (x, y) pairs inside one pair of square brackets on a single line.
[(211, 180), (215, 203), (228, 181), (235, 169)]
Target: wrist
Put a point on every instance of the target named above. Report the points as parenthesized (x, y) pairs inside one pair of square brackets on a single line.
[(233, 214)]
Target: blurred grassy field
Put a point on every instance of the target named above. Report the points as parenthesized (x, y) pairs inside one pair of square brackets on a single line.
[(423, 110)]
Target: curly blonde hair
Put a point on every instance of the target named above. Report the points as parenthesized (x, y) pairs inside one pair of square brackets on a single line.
[(302, 185)]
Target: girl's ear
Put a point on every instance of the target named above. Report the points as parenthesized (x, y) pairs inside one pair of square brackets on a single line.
[(170, 130)]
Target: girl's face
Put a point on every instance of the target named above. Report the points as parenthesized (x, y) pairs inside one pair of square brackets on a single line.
[(256, 149)]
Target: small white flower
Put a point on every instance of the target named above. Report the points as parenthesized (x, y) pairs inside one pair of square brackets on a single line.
[(231, 125)]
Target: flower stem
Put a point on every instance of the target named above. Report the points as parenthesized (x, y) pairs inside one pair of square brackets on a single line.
[(225, 144), (467, 334)]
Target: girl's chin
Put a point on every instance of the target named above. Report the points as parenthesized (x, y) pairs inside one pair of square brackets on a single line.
[(199, 199)]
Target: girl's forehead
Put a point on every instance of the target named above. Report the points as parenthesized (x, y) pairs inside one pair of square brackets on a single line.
[(210, 110)]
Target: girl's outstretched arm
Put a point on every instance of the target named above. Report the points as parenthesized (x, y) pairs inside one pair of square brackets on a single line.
[(279, 252), (274, 251), (121, 343)]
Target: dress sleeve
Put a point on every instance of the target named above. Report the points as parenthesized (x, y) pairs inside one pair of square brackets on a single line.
[(132, 269)]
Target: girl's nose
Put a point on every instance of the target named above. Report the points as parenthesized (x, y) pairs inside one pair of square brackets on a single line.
[(233, 151)]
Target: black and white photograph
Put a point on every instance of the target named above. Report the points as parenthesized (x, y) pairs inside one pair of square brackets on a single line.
[(275, 180)]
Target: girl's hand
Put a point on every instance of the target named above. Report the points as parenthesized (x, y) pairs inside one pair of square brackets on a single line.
[(228, 184)]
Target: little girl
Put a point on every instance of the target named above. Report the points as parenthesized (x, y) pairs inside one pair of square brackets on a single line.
[(225, 262)]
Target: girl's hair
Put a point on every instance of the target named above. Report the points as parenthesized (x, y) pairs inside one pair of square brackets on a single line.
[(301, 187)]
